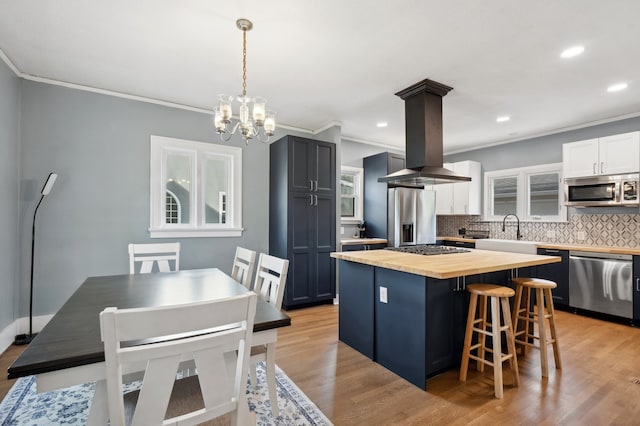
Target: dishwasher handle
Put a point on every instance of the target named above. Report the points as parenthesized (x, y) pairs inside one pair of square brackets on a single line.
[(595, 255)]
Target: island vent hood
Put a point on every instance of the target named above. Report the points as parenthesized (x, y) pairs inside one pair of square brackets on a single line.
[(423, 122)]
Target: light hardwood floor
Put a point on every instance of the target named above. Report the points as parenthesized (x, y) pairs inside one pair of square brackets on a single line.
[(599, 385)]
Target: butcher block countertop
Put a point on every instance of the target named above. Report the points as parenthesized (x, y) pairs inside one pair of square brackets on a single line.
[(562, 246), (446, 265)]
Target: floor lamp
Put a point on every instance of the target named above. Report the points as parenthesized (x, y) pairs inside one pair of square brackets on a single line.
[(24, 339)]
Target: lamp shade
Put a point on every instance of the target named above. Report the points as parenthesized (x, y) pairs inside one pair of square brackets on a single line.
[(46, 189)]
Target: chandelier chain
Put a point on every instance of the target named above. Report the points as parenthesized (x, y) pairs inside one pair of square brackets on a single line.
[(244, 62)]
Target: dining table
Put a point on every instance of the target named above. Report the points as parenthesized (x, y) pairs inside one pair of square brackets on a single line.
[(69, 349)]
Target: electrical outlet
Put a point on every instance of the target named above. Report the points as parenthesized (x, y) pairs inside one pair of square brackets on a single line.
[(342, 230), (383, 295), (551, 233), (581, 236)]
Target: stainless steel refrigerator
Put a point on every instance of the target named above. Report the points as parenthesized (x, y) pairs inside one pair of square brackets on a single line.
[(411, 218)]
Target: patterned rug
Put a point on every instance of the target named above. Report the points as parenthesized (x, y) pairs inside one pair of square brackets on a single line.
[(22, 406)]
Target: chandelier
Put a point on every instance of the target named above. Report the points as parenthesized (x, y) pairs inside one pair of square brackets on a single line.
[(261, 118)]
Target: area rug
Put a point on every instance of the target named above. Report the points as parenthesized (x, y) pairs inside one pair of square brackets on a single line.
[(23, 406)]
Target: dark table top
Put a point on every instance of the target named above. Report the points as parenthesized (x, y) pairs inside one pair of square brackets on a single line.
[(72, 337)]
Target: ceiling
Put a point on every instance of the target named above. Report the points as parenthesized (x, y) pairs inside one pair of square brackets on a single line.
[(322, 62)]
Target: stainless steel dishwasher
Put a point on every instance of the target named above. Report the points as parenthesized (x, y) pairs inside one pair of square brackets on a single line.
[(601, 282)]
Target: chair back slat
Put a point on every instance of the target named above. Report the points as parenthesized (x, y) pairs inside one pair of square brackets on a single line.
[(243, 265), (150, 254), (271, 278)]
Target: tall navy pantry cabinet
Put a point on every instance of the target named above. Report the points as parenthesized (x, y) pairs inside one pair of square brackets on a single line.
[(302, 217)]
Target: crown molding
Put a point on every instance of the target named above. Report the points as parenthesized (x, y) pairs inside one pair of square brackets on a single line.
[(10, 63), (106, 92), (327, 126), (373, 143)]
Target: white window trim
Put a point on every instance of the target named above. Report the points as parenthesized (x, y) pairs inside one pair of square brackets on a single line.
[(522, 192), (358, 172), (196, 226)]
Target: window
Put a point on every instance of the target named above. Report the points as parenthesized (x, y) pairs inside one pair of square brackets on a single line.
[(195, 189), (172, 206), (533, 193), (351, 194)]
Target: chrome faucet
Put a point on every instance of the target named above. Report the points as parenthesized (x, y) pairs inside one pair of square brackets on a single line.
[(518, 234)]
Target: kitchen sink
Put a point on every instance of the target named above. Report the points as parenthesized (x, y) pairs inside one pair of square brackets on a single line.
[(511, 246)]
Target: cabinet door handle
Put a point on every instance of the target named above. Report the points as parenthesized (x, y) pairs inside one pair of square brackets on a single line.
[(551, 251), (310, 185), (315, 200), (602, 167), (637, 284), (310, 199), (595, 170), (316, 185)]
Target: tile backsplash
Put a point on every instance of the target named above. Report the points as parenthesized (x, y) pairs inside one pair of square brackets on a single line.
[(594, 229)]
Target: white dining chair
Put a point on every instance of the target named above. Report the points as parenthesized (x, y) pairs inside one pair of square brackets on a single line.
[(243, 264), (215, 335), (271, 278), (148, 254)]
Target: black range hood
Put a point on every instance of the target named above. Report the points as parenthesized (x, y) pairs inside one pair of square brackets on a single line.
[(423, 123)]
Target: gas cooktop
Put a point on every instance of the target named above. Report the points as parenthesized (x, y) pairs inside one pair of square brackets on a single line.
[(428, 249)]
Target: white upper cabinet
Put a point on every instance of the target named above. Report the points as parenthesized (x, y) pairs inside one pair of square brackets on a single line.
[(609, 155), (444, 195), (460, 197), (620, 154)]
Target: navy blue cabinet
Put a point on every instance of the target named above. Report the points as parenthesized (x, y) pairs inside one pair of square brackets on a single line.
[(302, 217), (400, 324), (462, 244), (636, 290), (356, 321), (558, 273), (375, 193), (358, 247)]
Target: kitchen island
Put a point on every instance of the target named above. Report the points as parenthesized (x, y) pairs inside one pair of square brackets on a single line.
[(407, 312)]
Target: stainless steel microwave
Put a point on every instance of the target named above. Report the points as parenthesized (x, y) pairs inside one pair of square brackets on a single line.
[(615, 190)]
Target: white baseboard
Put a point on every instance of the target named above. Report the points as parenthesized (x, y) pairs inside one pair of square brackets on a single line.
[(8, 335), (21, 326), (38, 323)]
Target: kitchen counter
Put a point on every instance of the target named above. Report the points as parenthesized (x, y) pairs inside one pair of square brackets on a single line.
[(446, 265), (355, 241), (561, 246)]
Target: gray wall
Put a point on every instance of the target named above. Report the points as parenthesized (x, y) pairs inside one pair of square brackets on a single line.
[(353, 152), (9, 192), (99, 146), (540, 150)]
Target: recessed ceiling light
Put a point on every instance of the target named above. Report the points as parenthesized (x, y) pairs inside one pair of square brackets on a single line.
[(382, 124), (503, 118), (617, 87), (572, 52)]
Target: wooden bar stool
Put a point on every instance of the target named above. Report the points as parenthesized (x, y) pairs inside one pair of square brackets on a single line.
[(499, 297), (523, 309)]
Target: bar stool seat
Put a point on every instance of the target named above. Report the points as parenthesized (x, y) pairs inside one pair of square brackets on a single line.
[(524, 310), (499, 297)]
